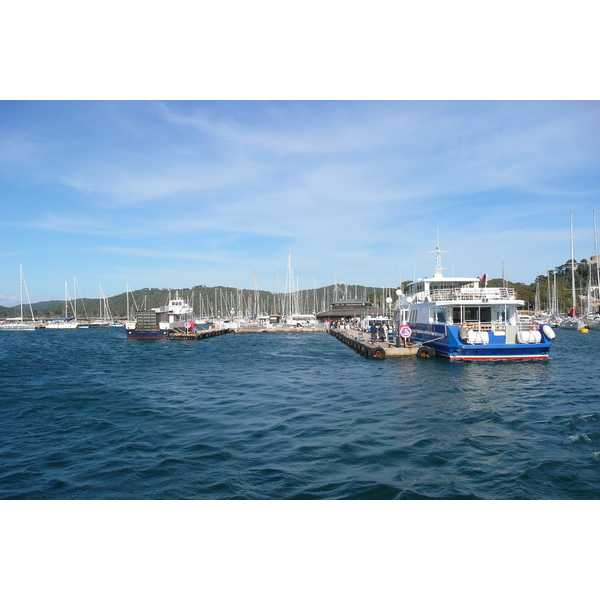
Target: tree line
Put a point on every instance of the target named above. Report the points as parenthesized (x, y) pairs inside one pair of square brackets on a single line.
[(212, 301)]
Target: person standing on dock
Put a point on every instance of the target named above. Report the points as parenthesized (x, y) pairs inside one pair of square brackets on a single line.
[(373, 331)]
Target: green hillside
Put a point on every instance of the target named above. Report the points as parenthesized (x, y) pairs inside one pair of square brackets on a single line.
[(545, 282), (207, 301), (214, 301)]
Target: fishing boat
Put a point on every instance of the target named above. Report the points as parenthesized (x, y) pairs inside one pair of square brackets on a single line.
[(17, 323), (460, 318), (177, 316)]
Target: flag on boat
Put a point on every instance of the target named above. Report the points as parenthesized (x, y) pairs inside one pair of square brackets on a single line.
[(483, 279), (572, 312)]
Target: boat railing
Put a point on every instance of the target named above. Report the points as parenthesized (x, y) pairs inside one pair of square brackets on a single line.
[(480, 294), (495, 327)]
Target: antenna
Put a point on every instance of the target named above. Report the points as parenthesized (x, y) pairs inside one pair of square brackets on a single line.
[(438, 259)]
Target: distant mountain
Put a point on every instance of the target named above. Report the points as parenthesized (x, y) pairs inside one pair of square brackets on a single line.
[(219, 300), (207, 301)]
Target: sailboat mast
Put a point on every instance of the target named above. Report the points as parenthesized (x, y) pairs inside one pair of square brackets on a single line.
[(573, 267), (21, 286), (548, 290), (597, 258)]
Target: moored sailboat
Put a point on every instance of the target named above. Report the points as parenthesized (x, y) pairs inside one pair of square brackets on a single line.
[(18, 323), (593, 316), (66, 323), (573, 320)]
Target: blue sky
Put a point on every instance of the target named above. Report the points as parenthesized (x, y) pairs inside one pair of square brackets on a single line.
[(179, 193)]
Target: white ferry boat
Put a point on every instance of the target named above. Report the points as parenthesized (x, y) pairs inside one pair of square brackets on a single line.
[(157, 323), (456, 318)]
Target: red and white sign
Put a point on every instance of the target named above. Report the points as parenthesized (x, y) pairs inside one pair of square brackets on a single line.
[(405, 331), (189, 325)]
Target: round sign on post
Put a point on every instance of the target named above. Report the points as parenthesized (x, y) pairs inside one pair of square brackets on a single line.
[(405, 331), (189, 325)]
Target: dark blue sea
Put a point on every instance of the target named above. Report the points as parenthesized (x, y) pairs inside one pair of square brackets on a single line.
[(88, 414)]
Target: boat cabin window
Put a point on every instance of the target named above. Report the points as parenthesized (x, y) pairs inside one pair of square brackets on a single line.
[(471, 313), (436, 287), (482, 314)]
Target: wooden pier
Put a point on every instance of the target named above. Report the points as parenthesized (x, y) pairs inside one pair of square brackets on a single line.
[(357, 340)]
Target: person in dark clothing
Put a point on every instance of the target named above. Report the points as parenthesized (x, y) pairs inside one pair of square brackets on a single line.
[(373, 331)]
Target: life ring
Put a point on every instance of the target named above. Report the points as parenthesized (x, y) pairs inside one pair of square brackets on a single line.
[(535, 326), (426, 352)]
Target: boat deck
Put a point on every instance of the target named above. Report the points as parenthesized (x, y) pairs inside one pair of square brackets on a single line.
[(197, 335)]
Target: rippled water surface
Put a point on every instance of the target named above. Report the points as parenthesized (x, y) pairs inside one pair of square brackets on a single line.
[(89, 414)]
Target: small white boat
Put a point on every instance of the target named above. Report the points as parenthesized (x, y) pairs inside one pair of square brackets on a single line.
[(572, 322), (66, 322), (16, 324), (593, 322), (62, 324), (593, 317)]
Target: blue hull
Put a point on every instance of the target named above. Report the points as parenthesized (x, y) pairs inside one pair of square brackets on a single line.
[(444, 339)]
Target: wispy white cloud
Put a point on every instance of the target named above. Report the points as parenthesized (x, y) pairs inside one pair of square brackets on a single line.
[(349, 187), (283, 129), (67, 224)]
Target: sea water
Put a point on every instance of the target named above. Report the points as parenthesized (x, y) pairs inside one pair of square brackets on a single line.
[(88, 414)]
